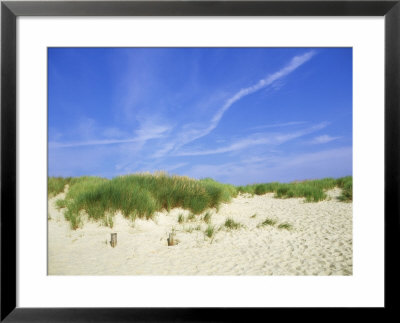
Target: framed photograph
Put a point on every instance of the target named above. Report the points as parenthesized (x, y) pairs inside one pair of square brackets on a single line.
[(181, 160)]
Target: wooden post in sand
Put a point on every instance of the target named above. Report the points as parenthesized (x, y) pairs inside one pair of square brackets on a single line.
[(171, 239), (113, 241)]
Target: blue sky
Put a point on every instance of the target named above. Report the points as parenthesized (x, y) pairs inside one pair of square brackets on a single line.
[(238, 115)]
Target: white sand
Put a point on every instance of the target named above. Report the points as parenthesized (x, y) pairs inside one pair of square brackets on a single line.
[(320, 242)]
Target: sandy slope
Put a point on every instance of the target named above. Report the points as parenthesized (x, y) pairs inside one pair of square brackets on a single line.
[(320, 242)]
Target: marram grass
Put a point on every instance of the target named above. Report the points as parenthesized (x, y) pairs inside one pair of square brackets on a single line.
[(268, 221), (285, 225), (346, 184), (137, 196), (141, 195), (231, 224), (311, 190)]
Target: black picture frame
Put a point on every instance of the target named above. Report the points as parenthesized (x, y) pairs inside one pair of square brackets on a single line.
[(10, 10)]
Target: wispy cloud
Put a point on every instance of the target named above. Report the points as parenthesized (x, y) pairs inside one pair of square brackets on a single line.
[(175, 166), (238, 145), (191, 132), (289, 136), (278, 125), (113, 132), (323, 139), (91, 143), (147, 130), (296, 62), (170, 142), (256, 139), (167, 147), (336, 162), (150, 130)]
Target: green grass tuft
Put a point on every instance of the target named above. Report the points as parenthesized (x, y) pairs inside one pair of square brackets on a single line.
[(207, 217), (268, 221), (231, 224), (191, 217), (285, 225), (60, 204), (56, 185), (210, 231), (311, 190), (108, 220), (346, 184), (181, 218)]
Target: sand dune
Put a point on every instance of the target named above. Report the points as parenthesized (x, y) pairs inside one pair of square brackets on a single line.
[(319, 243)]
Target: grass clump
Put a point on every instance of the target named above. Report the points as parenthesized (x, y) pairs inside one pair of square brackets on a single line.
[(210, 231), (218, 192), (268, 221), (181, 218), (261, 189), (188, 229), (207, 217), (191, 217), (60, 204), (346, 184), (285, 225), (56, 185), (137, 195), (231, 224), (311, 190), (108, 220)]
